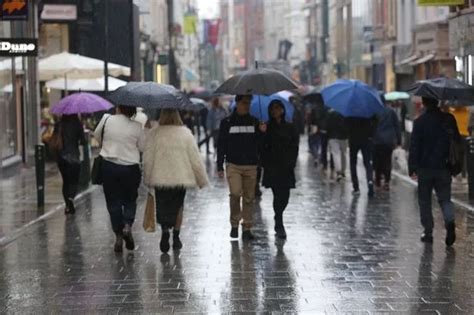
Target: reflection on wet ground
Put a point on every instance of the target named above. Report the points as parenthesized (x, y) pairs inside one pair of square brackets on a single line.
[(344, 253)]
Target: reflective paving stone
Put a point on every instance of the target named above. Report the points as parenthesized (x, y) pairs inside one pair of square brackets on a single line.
[(344, 254)]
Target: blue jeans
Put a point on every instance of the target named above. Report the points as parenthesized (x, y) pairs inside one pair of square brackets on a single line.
[(440, 180), (121, 192)]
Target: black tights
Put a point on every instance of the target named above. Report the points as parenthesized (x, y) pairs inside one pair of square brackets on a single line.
[(281, 196)]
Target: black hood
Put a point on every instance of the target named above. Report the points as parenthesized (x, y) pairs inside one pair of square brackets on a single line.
[(270, 114)]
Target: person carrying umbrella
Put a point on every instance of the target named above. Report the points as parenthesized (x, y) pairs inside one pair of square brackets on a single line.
[(71, 133), (213, 121), (68, 135), (239, 138), (122, 140), (431, 140), (279, 156), (359, 103)]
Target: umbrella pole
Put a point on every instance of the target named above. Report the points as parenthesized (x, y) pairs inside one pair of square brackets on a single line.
[(65, 84)]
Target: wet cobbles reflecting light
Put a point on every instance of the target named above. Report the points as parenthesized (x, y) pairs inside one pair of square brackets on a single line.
[(344, 254)]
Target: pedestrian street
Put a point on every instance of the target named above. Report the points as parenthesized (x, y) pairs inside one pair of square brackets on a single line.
[(344, 254)]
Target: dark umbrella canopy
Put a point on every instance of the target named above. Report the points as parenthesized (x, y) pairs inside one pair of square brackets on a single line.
[(151, 95), (314, 96), (451, 90), (257, 81)]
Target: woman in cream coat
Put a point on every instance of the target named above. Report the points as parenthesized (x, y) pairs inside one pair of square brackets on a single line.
[(172, 164)]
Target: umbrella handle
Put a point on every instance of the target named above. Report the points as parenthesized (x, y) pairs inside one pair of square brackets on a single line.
[(260, 106)]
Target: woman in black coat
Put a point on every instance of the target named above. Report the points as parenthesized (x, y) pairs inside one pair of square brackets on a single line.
[(279, 155), (71, 131)]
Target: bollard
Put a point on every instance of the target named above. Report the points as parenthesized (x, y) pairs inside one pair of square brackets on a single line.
[(470, 166), (40, 172), (85, 174)]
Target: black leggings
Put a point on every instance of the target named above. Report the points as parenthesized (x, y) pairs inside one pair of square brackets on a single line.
[(70, 174), (281, 196)]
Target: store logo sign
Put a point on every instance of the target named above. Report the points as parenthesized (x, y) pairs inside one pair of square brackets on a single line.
[(10, 47), (13, 10)]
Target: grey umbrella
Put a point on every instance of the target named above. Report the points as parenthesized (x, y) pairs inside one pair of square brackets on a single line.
[(150, 95), (453, 91), (259, 81)]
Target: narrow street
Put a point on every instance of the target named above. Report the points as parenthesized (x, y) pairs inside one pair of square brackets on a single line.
[(344, 253)]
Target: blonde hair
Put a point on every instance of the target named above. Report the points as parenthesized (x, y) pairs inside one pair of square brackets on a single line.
[(170, 117)]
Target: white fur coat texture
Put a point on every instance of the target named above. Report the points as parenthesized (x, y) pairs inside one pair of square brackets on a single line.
[(172, 160)]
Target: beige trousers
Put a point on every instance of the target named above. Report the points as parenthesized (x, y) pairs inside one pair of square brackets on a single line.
[(242, 180)]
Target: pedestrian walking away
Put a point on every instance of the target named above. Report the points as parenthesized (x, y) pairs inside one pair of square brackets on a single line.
[(361, 132), (387, 138), (123, 140), (431, 140), (279, 156), (70, 133), (172, 164), (216, 114), (239, 139), (337, 144)]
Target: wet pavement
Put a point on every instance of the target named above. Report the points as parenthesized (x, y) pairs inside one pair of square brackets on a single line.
[(344, 254), (18, 201)]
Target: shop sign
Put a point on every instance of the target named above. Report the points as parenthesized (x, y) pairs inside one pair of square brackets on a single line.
[(59, 12), (11, 47), (12, 10), (440, 2)]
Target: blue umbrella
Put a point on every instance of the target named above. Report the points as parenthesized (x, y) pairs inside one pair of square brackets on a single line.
[(352, 98), (260, 103)]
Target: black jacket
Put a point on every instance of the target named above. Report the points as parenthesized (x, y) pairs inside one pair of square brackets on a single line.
[(73, 136), (279, 155), (239, 139), (430, 140), (335, 126), (361, 130)]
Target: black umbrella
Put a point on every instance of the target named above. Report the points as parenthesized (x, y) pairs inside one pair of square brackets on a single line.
[(313, 96), (453, 91), (151, 95), (258, 81)]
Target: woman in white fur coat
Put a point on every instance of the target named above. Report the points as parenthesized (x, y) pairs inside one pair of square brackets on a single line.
[(172, 164)]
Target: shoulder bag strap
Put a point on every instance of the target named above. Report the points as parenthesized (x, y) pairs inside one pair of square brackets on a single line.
[(103, 131)]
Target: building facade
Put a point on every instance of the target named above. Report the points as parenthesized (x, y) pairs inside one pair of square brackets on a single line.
[(19, 97)]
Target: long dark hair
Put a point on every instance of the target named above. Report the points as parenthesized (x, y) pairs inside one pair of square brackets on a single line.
[(128, 111)]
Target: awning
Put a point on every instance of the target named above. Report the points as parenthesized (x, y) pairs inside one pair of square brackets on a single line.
[(422, 59), (407, 60)]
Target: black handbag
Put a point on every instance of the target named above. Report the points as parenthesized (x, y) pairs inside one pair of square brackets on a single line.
[(96, 172)]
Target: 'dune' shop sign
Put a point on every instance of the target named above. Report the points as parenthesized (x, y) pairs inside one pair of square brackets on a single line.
[(11, 10), (11, 47)]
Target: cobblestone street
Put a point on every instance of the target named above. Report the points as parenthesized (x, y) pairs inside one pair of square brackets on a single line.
[(344, 253)]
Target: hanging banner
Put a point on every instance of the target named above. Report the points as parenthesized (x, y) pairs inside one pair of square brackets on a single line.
[(11, 10), (190, 24), (437, 3)]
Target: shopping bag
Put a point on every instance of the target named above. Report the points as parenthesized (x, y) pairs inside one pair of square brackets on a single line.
[(149, 223), (399, 160)]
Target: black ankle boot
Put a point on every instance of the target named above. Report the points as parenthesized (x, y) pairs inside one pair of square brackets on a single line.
[(450, 233), (177, 244), (165, 241), (118, 246)]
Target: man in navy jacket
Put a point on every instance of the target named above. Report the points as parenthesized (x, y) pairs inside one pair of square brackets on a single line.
[(430, 144)]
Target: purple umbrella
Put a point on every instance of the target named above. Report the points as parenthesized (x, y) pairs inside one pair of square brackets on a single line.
[(81, 103)]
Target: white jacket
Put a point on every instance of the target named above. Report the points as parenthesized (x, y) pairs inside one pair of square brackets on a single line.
[(123, 140), (171, 159)]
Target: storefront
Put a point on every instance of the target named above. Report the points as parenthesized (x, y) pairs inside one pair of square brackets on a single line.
[(19, 103), (461, 42), (432, 51)]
